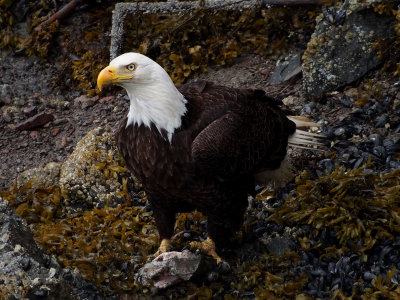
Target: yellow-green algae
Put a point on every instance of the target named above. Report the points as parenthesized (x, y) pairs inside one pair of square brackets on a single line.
[(108, 245), (184, 44), (359, 205)]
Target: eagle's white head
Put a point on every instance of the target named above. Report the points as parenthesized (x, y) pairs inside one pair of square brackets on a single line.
[(154, 97)]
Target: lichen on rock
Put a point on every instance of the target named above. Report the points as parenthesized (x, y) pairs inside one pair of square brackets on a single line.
[(341, 48), (94, 175)]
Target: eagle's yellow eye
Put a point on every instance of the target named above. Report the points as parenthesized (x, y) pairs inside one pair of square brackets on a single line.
[(131, 67)]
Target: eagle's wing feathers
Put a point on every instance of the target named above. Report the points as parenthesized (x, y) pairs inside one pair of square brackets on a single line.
[(242, 141)]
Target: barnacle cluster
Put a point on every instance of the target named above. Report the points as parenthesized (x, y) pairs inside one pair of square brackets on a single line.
[(359, 205), (94, 175)]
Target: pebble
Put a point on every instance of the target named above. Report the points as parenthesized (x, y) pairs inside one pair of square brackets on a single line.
[(55, 131), (34, 134), (26, 263), (381, 121), (30, 111), (35, 121), (41, 293), (52, 272), (85, 101), (18, 248), (37, 281), (307, 109), (105, 99), (346, 102), (339, 132)]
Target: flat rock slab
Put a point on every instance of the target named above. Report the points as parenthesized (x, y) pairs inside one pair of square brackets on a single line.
[(35, 121), (340, 50), (173, 267), (286, 68)]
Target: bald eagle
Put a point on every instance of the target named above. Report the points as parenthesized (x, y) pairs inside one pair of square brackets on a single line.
[(201, 146)]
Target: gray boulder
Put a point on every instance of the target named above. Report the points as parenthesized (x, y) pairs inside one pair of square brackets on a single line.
[(340, 50), (25, 271)]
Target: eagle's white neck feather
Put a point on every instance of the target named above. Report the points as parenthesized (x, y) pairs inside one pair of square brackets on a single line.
[(154, 98), (159, 104)]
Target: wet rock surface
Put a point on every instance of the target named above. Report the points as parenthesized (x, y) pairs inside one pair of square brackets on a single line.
[(340, 51)]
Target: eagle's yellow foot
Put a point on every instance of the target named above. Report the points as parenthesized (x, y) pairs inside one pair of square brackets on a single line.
[(207, 247), (165, 246)]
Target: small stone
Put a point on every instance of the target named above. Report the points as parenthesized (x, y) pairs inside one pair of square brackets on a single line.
[(41, 293), (340, 131), (212, 276), (26, 263), (7, 118), (55, 131), (34, 134), (35, 121), (381, 121), (346, 102), (52, 272), (369, 276), (85, 101), (30, 111), (37, 281), (290, 100), (105, 99), (5, 237), (17, 248)]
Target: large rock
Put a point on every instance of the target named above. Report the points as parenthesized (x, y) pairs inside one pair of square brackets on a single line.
[(25, 271), (340, 50), (173, 267), (94, 175)]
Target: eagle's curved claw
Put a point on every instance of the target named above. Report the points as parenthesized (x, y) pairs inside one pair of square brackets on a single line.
[(165, 246), (207, 247)]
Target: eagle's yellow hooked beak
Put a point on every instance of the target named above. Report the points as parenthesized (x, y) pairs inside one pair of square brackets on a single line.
[(106, 76)]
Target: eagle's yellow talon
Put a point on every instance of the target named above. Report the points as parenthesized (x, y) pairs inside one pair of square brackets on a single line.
[(207, 247), (165, 246)]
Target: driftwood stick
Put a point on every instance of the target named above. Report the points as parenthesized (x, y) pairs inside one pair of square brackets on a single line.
[(60, 14), (292, 2)]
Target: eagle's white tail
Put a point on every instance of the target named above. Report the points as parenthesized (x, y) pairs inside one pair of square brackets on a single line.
[(300, 139), (303, 139)]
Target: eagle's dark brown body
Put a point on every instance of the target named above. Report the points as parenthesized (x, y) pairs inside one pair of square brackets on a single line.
[(226, 136)]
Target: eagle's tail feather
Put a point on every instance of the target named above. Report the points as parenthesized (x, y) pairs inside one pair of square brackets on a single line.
[(303, 122), (303, 139)]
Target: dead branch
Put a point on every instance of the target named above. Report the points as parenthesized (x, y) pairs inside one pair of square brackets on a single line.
[(292, 2), (60, 14)]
